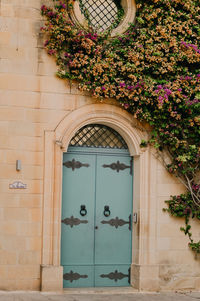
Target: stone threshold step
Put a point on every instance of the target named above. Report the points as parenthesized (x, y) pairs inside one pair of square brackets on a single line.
[(100, 290)]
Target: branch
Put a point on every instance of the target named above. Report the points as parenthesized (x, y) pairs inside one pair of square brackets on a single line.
[(194, 197)]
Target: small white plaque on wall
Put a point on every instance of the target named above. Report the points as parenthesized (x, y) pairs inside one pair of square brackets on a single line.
[(18, 185)]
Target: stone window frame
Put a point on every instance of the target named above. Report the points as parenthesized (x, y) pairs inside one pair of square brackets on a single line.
[(129, 7)]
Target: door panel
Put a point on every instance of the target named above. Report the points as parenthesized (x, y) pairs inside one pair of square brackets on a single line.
[(77, 241), (113, 189)]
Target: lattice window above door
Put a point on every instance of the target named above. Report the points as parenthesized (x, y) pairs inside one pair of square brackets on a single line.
[(101, 13), (98, 135)]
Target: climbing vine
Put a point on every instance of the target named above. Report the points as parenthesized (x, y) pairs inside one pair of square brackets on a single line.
[(153, 71)]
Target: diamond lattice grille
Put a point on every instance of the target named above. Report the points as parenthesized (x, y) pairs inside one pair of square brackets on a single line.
[(97, 135), (102, 13)]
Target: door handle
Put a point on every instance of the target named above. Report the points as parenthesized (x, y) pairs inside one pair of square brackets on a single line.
[(106, 211), (83, 210)]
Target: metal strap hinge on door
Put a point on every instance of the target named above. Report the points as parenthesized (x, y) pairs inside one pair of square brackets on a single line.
[(73, 276), (117, 275), (119, 166), (117, 222), (73, 221), (75, 164)]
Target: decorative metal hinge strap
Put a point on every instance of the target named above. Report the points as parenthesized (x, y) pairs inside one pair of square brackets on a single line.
[(75, 164), (116, 276), (129, 275), (71, 276), (116, 222), (119, 166), (72, 221)]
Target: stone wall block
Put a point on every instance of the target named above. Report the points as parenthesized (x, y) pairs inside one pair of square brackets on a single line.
[(29, 258), (19, 82), (51, 278)]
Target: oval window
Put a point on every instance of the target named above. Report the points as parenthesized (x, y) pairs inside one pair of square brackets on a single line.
[(102, 15)]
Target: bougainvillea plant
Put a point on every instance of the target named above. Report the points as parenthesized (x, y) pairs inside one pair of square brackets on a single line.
[(153, 71)]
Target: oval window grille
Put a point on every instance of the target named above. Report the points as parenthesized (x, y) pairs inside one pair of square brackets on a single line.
[(101, 14), (98, 135)]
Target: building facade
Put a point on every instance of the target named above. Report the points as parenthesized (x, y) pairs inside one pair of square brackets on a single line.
[(39, 116)]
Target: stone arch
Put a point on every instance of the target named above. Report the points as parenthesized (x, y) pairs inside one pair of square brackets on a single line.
[(117, 118)]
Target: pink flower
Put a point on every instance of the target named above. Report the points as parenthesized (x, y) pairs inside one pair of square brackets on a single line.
[(188, 77), (51, 51), (168, 92), (126, 105), (63, 5), (91, 36)]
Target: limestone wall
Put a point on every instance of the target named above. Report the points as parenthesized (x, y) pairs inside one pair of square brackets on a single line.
[(178, 266), (32, 101)]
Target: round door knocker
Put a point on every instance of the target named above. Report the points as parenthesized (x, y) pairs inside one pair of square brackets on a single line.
[(83, 210), (106, 211)]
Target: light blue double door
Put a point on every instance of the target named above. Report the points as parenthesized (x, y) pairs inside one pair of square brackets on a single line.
[(96, 218)]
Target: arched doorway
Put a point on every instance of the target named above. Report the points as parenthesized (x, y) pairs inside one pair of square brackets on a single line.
[(96, 236), (144, 268)]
